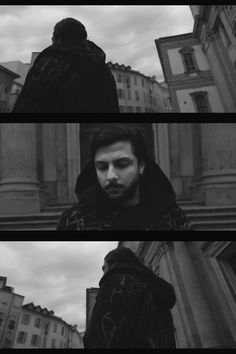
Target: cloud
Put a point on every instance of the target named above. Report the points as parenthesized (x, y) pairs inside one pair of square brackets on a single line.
[(125, 33), (55, 274)]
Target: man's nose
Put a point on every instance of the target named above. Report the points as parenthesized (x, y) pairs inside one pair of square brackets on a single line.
[(111, 174)]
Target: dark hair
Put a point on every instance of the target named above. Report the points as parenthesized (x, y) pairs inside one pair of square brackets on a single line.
[(70, 30), (114, 133), (120, 256)]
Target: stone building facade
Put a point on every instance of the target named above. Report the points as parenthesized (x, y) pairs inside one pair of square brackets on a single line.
[(203, 274), (40, 328), (40, 162), (10, 311), (7, 78), (138, 93), (199, 67)]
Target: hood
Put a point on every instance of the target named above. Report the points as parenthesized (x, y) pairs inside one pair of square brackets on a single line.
[(83, 53), (162, 290), (156, 192)]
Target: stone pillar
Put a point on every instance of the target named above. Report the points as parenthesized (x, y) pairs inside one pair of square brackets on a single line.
[(207, 330), (19, 188), (218, 181)]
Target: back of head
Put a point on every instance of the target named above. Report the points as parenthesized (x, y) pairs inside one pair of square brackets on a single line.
[(69, 30), (122, 256), (114, 133)]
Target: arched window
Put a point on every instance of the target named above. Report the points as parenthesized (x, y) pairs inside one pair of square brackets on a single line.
[(189, 60)]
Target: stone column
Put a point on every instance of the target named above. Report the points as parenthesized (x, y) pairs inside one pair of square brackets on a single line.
[(218, 181), (19, 188), (207, 330)]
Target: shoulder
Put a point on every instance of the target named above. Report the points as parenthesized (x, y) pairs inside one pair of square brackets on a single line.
[(176, 219)]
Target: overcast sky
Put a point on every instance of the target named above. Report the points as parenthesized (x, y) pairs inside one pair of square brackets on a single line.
[(55, 274), (125, 33)]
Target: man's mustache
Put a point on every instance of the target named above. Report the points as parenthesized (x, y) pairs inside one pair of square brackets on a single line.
[(113, 185)]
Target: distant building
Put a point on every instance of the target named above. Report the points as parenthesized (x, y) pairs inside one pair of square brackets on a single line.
[(22, 70), (10, 311), (7, 78), (199, 67), (203, 274), (138, 93), (91, 295), (40, 328)]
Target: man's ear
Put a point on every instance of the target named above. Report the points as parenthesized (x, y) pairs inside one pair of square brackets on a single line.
[(141, 167)]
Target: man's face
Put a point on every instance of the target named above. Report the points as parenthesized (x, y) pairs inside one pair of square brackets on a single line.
[(105, 267), (118, 171)]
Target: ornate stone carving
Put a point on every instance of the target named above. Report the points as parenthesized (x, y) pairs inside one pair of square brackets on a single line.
[(158, 249)]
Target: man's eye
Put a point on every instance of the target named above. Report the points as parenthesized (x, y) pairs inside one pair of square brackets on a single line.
[(122, 164), (102, 167)]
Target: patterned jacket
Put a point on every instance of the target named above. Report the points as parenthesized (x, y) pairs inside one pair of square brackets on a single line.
[(132, 310), (158, 209), (66, 78)]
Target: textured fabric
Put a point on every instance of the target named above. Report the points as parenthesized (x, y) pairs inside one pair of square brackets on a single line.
[(132, 310), (66, 78), (157, 210)]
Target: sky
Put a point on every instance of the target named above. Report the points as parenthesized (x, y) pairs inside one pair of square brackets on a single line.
[(54, 274), (126, 33)]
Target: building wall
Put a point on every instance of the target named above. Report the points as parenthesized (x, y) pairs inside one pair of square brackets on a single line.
[(10, 309), (58, 335), (203, 275), (6, 81)]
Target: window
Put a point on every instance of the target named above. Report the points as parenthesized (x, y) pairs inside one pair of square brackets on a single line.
[(11, 324), (44, 342), (119, 78), (21, 337), (129, 94), (55, 327), (201, 103), (190, 64), (61, 344), (128, 82), (25, 319), (62, 330), (46, 328), (144, 96), (37, 322), (53, 343), (135, 81), (137, 95), (130, 109), (121, 93), (35, 340), (142, 82), (122, 109), (138, 109), (154, 101)]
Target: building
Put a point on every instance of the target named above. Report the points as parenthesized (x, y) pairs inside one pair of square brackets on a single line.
[(40, 328), (199, 67), (7, 78), (22, 70), (41, 161), (138, 93), (10, 311), (91, 295), (203, 274)]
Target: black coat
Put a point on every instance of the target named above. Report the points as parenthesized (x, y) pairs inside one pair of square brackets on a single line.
[(157, 210), (132, 310), (67, 78)]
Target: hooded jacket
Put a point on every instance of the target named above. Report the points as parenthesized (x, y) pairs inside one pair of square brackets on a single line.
[(69, 78), (132, 310), (157, 210)]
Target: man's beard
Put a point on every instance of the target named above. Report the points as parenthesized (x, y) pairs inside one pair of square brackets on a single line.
[(122, 193)]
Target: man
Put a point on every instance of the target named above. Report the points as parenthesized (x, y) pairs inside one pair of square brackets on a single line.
[(132, 308), (122, 188), (69, 76)]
